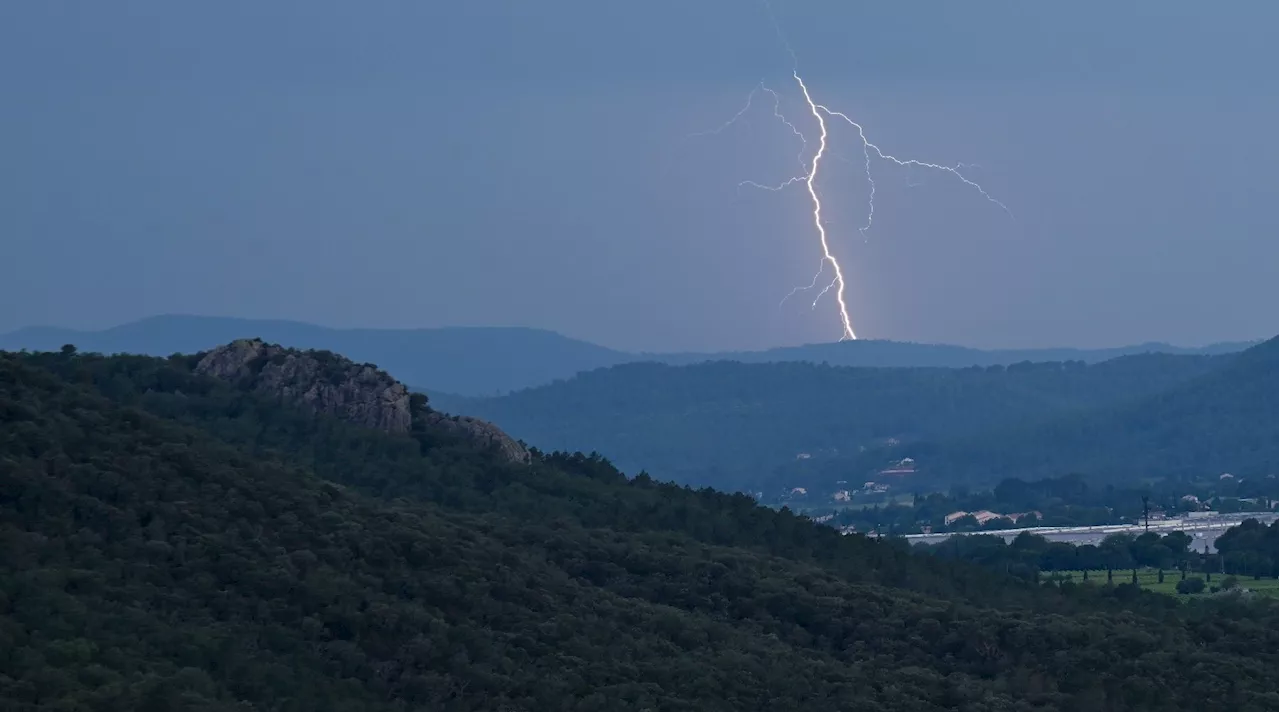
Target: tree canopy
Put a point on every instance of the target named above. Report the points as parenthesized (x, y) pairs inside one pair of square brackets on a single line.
[(170, 542)]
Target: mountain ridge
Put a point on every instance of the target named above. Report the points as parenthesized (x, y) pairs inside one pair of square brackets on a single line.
[(1242, 392), (484, 361), (729, 425)]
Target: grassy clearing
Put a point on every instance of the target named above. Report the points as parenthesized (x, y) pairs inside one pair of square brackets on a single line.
[(1150, 580)]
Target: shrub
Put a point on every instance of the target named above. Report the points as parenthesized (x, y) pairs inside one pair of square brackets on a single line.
[(1191, 585)]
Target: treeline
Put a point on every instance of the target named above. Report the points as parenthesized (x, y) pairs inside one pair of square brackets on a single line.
[(1066, 501), (169, 542), (1248, 549), (1029, 554)]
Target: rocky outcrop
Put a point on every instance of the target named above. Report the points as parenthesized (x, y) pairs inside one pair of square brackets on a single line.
[(481, 431), (320, 381), (360, 394)]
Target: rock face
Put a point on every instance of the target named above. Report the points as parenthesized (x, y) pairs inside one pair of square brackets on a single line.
[(327, 383), (324, 383), (481, 431)]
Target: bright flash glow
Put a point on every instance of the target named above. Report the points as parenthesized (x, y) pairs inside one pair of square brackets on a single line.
[(810, 171)]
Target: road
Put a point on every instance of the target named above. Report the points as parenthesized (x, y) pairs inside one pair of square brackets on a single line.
[(1204, 530)]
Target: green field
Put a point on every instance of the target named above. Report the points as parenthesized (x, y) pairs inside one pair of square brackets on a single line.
[(1150, 580)]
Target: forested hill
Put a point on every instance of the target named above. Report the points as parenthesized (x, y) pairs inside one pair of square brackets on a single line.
[(1223, 421), (731, 425), (176, 541), (495, 360)]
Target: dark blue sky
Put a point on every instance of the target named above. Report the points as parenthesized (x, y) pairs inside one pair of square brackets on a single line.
[(422, 164)]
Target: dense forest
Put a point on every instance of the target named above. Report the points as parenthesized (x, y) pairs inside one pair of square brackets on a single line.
[(1251, 549), (1028, 554), (169, 541), (772, 427), (1248, 549)]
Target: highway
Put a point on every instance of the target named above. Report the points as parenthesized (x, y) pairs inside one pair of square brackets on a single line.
[(1204, 530)]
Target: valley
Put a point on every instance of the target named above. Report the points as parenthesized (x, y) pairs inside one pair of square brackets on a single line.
[(713, 356), (1203, 530)]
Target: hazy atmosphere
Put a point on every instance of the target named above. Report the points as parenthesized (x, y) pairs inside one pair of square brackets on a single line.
[(649, 356), (510, 163)]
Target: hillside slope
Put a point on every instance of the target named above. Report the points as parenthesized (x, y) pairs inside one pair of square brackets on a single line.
[(730, 425), (172, 541), (1223, 421), (485, 361)]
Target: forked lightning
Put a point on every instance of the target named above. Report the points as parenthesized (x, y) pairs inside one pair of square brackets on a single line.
[(809, 176)]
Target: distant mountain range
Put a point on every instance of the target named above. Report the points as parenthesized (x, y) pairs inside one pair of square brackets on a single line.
[(468, 360), (477, 361), (1226, 420), (772, 427)]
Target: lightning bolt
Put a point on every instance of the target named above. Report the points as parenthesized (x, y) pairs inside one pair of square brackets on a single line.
[(810, 170), (838, 282), (955, 171)]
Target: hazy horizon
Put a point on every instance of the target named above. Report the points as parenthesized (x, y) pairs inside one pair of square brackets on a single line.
[(393, 165), (997, 347)]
